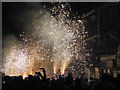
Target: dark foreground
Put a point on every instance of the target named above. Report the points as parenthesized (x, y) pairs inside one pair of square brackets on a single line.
[(39, 82)]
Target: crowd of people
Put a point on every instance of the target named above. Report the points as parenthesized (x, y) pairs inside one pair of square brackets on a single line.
[(41, 82)]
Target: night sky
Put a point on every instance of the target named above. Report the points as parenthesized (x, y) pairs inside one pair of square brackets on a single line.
[(13, 11)]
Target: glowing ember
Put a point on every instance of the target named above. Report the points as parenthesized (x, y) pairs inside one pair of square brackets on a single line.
[(56, 43)]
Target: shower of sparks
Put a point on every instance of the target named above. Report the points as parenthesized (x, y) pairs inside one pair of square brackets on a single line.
[(22, 57), (56, 43)]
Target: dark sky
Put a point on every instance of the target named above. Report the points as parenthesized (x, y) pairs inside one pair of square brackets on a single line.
[(11, 11)]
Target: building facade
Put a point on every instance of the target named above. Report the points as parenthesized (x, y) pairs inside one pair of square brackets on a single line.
[(103, 26)]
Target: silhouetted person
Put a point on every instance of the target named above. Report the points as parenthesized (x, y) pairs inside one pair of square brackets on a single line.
[(105, 83), (42, 76), (78, 84), (69, 78), (118, 81), (44, 73)]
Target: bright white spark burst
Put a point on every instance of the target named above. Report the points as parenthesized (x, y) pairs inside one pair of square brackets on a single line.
[(57, 44)]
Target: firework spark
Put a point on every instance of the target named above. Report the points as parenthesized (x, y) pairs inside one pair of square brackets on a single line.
[(56, 43)]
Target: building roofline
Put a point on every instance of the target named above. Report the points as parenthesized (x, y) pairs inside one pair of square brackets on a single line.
[(100, 8)]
